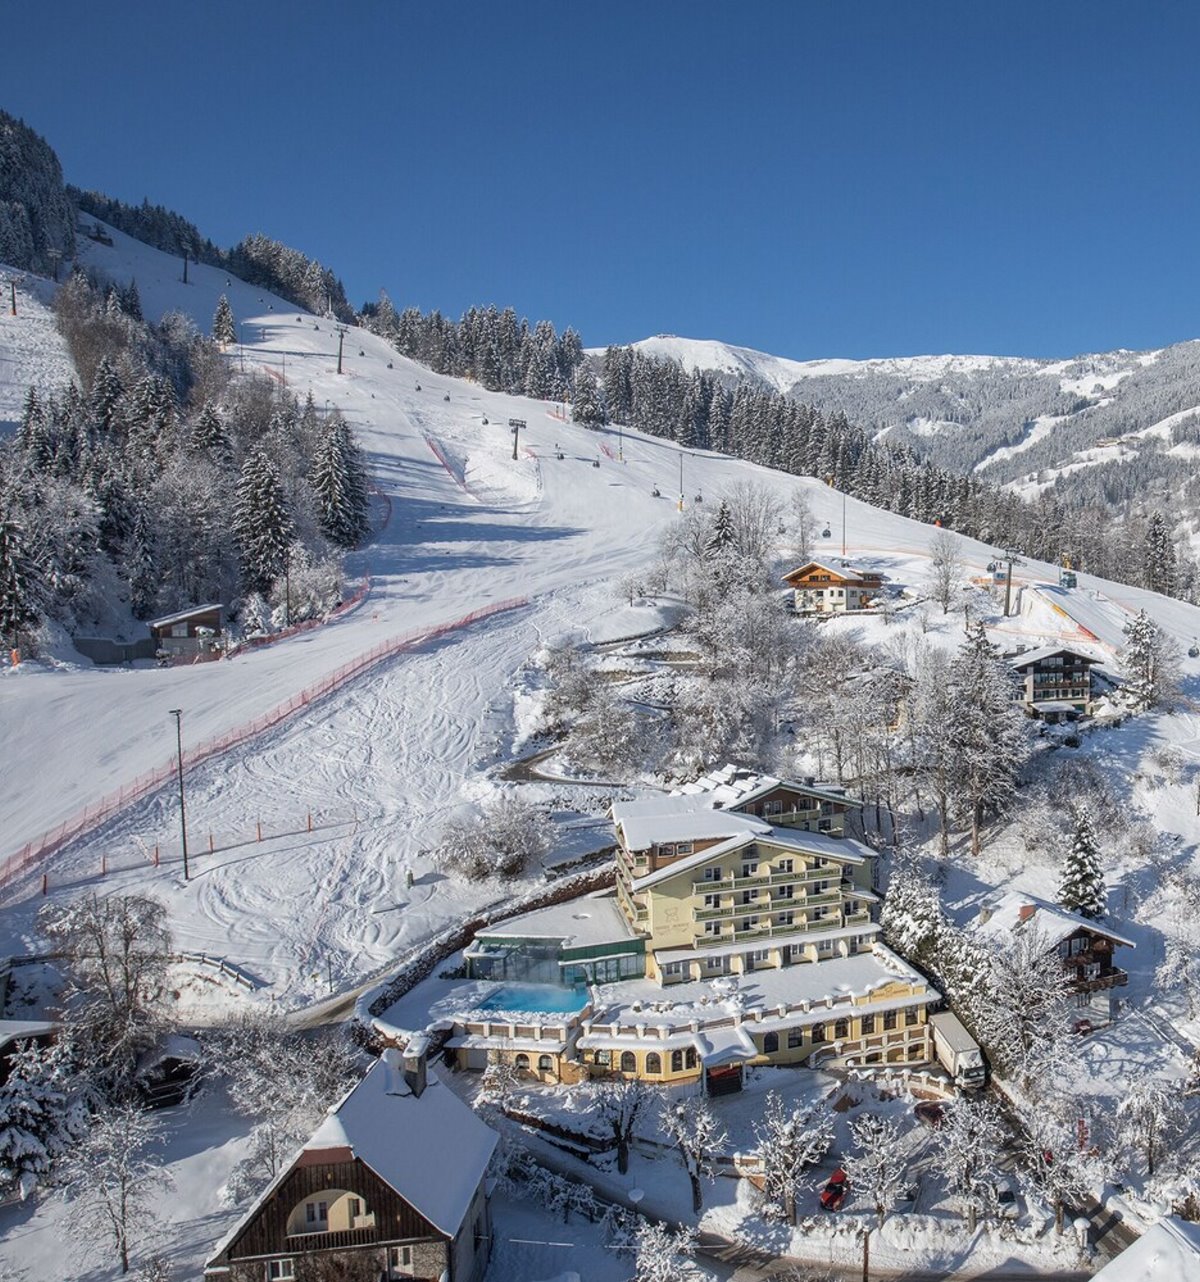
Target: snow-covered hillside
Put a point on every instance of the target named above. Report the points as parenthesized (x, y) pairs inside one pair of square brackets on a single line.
[(386, 757), (32, 352)]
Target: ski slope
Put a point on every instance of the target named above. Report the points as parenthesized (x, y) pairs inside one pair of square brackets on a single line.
[(384, 759)]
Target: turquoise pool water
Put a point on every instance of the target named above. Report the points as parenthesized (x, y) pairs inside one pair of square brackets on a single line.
[(542, 999)]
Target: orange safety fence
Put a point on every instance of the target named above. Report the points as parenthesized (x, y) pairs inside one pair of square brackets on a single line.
[(98, 812)]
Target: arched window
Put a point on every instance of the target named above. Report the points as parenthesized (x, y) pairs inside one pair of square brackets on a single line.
[(522, 1061), (545, 1063), (677, 1061), (628, 1062), (818, 1033), (653, 1064), (691, 1057), (770, 1043), (841, 1029)]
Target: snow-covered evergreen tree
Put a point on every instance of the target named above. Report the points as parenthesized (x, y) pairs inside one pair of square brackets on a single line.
[(1151, 662), (1160, 569), (40, 1116), (587, 407), (20, 583), (339, 485), (987, 735), (224, 330), (1081, 886), (262, 524)]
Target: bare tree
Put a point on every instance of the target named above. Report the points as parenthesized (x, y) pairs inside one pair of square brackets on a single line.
[(619, 1104), (694, 1130), (878, 1163), (118, 949), (111, 1181), (945, 568), (665, 1254), (789, 1141), (967, 1146), (801, 529), (755, 515)]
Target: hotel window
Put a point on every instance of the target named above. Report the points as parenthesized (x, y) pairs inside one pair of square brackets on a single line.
[(770, 1043), (748, 896), (604, 1058), (758, 956), (910, 1017), (712, 901), (545, 1063), (667, 849), (673, 970), (714, 963), (628, 1062), (868, 1023), (522, 1061), (712, 927), (683, 847), (824, 825), (818, 1032), (786, 865), (752, 922), (795, 1038), (889, 1020), (819, 914), (786, 919), (749, 869), (841, 1029), (677, 1061), (786, 892), (653, 1064), (713, 873), (772, 808), (400, 1257)]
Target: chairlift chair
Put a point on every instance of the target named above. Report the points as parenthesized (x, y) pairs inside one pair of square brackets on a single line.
[(826, 533), (1194, 650)]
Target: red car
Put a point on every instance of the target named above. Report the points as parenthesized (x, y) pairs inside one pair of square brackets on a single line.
[(835, 1191)]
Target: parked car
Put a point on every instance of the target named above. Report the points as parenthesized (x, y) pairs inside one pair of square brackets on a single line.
[(930, 1113), (1007, 1207), (835, 1191)]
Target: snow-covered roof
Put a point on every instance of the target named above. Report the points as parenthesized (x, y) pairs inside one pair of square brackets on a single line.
[(725, 1046), (733, 785), (1027, 657), (843, 569), (577, 924), (1169, 1251), (1000, 916), (19, 1030), (844, 849), (534, 1045), (394, 1132), (646, 823), (179, 617)]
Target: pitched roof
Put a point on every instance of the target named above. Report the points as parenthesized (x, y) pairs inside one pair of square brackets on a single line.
[(431, 1148), (1026, 657), (1001, 916), (843, 569), (733, 785), (396, 1132), (184, 614)]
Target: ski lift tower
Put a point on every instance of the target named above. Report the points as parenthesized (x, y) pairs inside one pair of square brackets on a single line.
[(517, 424), (1011, 557)]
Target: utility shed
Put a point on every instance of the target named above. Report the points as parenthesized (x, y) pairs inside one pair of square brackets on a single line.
[(192, 631)]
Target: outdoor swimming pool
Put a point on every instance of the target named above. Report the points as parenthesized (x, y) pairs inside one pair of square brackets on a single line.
[(541, 999)]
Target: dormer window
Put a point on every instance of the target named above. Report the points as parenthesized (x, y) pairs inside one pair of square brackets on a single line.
[(667, 849)]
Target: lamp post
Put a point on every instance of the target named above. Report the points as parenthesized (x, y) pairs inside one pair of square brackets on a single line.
[(177, 713), (843, 524)]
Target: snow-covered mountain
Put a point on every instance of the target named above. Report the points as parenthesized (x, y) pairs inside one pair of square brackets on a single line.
[(1025, 423)]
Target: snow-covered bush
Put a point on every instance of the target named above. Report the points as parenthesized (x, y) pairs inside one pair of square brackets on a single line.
[(501, 840), (665, 1254)]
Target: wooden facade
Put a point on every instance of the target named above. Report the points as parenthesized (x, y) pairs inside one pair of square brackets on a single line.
[(822, 588), (316, 1176)]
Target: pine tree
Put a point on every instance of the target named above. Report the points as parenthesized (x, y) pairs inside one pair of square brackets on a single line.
[(262, 525), (340, 487), (1081, 887), (587, 407), (20, 583), (1150, 659), (39, 1119), (720, 540), (106, 395), (1159, 566), (224, 330)]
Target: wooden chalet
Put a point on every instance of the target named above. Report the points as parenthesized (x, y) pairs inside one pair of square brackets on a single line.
[(193, 631), (1054, 682), (391, 1186), (828, 587), (1084, 948)]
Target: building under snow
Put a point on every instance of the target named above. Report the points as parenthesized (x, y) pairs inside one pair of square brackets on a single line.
[(391, 1185)]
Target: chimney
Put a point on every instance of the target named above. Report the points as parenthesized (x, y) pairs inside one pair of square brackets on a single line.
[(391, 1071), (414, 1063), (1026, 912)]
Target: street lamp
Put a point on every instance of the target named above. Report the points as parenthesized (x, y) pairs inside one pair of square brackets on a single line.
[(681, 480), (177, 713)]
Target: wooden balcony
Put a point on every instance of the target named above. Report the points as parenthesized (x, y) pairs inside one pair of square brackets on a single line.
[(1111, 977), (331, 1241)]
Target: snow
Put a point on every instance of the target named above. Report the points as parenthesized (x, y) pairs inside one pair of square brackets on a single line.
[(389, 1128), (1001, 915), (32, 351), (1039, 429), (1168, 1252), (577, 924), (782, 373)]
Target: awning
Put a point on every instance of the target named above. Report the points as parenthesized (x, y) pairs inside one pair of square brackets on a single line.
[(724, 1046)]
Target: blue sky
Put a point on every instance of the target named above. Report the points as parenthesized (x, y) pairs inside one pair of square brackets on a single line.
[(813, 179)]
